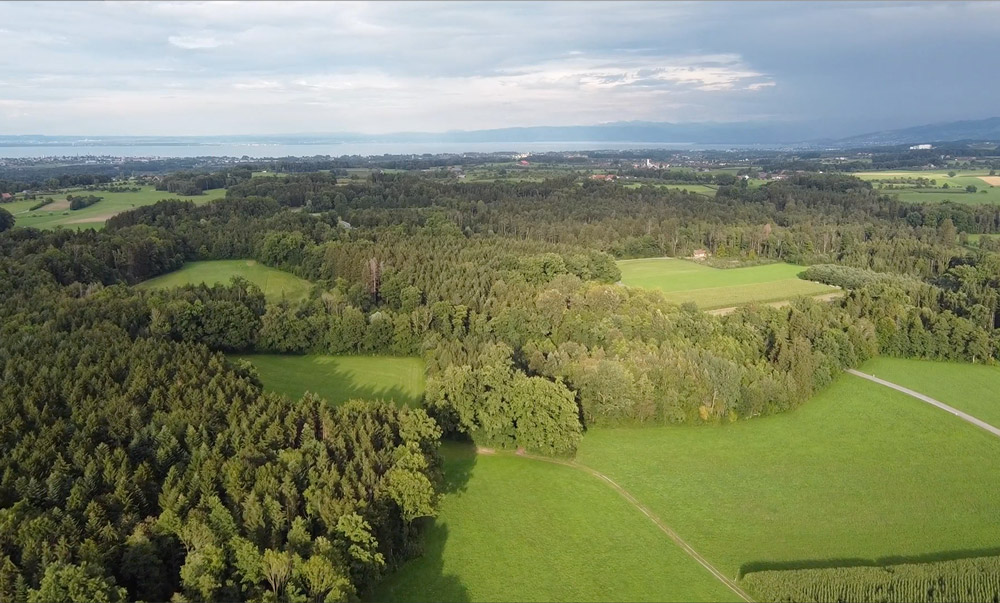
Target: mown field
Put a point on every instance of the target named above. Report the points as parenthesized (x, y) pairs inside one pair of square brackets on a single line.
[(342, 378), (987, 187), (710, 288), (972, 388), (861, 472), (276, 284), (516, 529), (59, 214)]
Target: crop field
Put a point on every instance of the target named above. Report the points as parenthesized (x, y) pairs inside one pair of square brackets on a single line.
[(708, 190), (276, 284), (684, 281), (861, 473), (972, 388), (341, 378), (987, 187), (58, 213), (517, 529)]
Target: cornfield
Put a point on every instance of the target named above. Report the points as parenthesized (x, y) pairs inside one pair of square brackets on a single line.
[(974, 580)]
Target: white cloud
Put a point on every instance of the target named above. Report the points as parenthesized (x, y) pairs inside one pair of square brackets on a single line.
[(196, 41)]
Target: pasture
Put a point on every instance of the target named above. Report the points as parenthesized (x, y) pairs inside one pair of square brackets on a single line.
[(987, 187), (971, 388), (517, 529), (860, 472), (710, 288), (338, 379), (58, 213), (276, 284)]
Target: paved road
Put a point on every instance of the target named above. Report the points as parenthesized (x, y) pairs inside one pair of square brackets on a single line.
[(732, 585), (965, 417)]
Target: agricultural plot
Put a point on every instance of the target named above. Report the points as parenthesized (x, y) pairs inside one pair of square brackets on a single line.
[(971, 388), (516, 529), (861, 474), (987, 187), (341, 378), (59, 214), (276, 284), (683, 281), (708, 190)]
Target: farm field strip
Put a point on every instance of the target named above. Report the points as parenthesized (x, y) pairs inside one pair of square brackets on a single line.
[(964, 416)]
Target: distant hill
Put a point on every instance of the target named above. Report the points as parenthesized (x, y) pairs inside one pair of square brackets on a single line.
[(976, 129)]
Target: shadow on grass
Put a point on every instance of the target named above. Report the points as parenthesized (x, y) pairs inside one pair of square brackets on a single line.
[(423, 578), (763, 566)]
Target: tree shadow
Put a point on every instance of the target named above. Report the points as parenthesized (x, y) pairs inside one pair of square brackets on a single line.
[(424, 578), (762, 566), (347, 388)]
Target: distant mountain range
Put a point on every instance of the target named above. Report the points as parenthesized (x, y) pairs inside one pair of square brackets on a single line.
[(696, 133)]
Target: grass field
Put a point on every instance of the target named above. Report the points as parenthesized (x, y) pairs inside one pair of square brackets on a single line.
[(59, 214), (973, 388), (956, 191), (684, 281), (515, 529), (275, 284), (341, 378), (859, 472), (975, 238), (701, 189)]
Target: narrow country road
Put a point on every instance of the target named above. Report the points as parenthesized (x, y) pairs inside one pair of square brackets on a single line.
[(965, 417), (732, 585)]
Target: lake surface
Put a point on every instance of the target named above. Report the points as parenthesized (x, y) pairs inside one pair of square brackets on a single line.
[(258, 151)]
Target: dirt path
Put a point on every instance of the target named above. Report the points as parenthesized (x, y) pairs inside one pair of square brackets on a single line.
[(733, 586), (961, 415)]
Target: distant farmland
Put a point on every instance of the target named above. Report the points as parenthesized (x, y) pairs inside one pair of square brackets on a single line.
[(58, 213), (684, 281), (902, 183)]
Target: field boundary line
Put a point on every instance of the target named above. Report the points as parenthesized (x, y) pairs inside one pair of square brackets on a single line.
[(674, 536), (951, 409)]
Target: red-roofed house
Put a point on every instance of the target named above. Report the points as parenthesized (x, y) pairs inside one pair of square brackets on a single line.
[(6, 197)]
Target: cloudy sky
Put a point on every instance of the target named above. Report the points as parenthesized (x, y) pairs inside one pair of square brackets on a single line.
[(187, 68)]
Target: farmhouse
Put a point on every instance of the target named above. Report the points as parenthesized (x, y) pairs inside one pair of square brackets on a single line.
[(700, 254), (605, 177), (6, 197)]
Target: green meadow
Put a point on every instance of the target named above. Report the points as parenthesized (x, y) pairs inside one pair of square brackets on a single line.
[(860, 472), (58, 213), (686, 281), (341, 378), (276, 284), (972, 388), (517, 529)]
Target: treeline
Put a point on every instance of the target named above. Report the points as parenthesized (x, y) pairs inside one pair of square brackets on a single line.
[(195, 183), (961, 581), (82, 201)]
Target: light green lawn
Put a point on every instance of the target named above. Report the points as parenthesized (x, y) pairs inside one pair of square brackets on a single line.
[(342, 378), (515, 529), (684, 281), (59, 214), (701, 189), (972, 388), (860, 471), (276, 284)]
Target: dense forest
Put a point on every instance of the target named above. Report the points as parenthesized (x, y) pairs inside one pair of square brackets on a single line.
[(140, 464)]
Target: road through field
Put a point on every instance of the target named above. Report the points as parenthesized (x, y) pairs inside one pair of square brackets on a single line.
[(733, 586), (964, 416)]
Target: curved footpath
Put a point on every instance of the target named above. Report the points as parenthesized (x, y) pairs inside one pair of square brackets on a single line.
[(961, 415), (732, 585)]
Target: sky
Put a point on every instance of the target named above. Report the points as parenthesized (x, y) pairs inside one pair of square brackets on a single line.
[(214, 68)]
